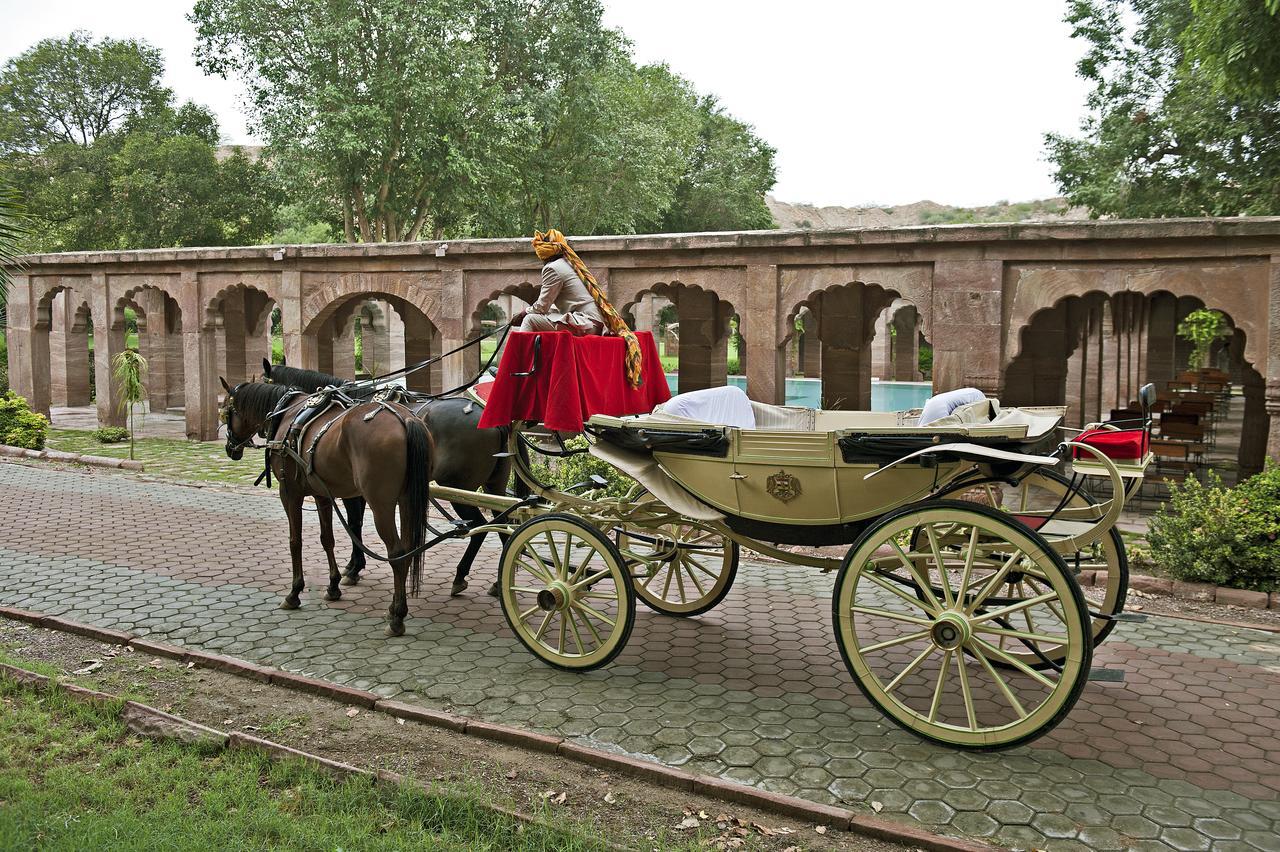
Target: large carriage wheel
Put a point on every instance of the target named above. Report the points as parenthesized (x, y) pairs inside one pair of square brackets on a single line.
[(566, 592), (1041, 493), (919, 625), (684, 569)]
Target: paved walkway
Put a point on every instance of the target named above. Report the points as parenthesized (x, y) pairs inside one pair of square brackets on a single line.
[(1185, 754)]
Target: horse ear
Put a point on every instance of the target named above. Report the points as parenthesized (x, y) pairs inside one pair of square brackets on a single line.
[(266, 368), (225, 386)]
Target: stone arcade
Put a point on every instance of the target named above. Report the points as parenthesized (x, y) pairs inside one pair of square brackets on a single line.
[(1077, 313)]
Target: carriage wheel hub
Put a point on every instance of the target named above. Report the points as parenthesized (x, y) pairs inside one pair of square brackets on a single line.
[(555, 596), (950, 631)]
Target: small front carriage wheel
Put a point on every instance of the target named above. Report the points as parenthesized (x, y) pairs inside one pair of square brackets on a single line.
[(681, 568), (920, 624), (566, 592)]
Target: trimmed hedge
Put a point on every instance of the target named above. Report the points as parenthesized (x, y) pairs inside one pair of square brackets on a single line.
[(111, 434), (19, 425), (1208, 533)]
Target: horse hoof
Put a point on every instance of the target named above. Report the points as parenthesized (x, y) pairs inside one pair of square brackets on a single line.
[(458, 588), (290, 603), (395, 629), (333, 595), (494, 591)]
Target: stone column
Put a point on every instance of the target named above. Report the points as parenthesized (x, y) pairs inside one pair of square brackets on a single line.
[(1077, 331), (846, 349), (1092, 394), (108, 341), (1272, 391), (342, 349), (396, 340), (25, 374), (1257, 423), (257, 342), (421, 341), (455, 329), (300, 350), (811, 347), (882, 345), (701, 359), (323, 342), (153, 345), (905, 343), (233, 336), (199, 362), (968, 327), (1160, 339), (766, 366)]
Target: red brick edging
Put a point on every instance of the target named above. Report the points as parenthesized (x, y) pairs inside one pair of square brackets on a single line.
[(657, 773), (76, 458), (1202, 592)]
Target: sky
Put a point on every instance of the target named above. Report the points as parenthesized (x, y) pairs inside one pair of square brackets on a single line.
[(884, 102)]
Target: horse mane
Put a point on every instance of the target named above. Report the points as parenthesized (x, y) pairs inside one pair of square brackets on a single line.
[(308, 380), (257, 400)]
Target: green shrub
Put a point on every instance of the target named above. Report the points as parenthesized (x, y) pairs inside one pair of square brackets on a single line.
[(1228, 536), (19, 425), (562, 473), (111, 434)]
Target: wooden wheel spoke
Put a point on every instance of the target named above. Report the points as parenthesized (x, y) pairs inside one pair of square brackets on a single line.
[(1012, 608), (911, 667), (890, 643), (937, 689), (546, 574), (666, 587), (594, 633), (1001, 684), (941, 563), (925, 587), (592, 611), (561, 571), (693, 578), (1028, 635), (594, 578), (890, 587), (967, 693), (963, 587), (675, 569), (994, 582), (524, 616), (577, 636), (987, 648), (896, 616), (543, 627), (525, 590), (563, 625)]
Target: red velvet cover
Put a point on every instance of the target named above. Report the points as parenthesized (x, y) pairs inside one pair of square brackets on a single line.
[(1122, 445), (576, 378)]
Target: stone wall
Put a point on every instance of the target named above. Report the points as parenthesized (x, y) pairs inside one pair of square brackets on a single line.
[(1075, 313)]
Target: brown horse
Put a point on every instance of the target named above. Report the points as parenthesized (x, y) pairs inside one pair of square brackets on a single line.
[(380, 452)]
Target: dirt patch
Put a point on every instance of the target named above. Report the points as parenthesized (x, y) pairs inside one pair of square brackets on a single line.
[(619, 808), (1178, 607)]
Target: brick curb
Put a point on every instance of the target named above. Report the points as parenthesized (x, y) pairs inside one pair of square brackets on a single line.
[(74, 458), (1202, 592), (666, 776)]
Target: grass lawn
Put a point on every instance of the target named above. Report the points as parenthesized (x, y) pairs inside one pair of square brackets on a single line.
[(171, 457), (72, 777)]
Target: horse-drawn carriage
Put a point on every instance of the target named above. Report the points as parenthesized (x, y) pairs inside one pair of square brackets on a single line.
[(955, 604)]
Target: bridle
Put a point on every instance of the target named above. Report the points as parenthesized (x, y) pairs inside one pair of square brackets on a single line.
[(228, 409)]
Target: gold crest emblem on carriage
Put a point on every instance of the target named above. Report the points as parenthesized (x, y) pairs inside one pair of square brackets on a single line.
[(783, 485)]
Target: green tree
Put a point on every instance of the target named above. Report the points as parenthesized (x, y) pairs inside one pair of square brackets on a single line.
[(1203, 328), (432, 118), (1184, 114), (104, 159), (726, 178)]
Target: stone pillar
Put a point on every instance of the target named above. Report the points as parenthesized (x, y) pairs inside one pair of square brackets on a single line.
[(766, 366), (1109, 366), (882, 345), (375, 337), (455, 329), (342, 349), (257, 342), (905, 342), (233, 336), (846, 349), (1077, 360), (702, 360), (396, 340), (153, 345), (300, 350), (199, 362), (1182, 347), (421, 341), (968, 327), (1257, 423), (108, 341), (324, 347), (1091, 396), (810, 347), (1160, 339), (22, 338), (1272, 356)]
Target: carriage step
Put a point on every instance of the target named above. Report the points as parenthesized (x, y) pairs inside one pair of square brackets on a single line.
[(1107, 675), (1133, 617)]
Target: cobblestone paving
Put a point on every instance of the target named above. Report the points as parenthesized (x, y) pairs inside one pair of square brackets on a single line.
[(1184, 754)]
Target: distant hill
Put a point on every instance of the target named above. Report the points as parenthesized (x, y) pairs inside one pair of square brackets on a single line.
[(920, 213)]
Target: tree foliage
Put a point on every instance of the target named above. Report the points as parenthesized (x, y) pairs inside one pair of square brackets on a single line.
[(1203, 328), (417, 118), (1185, 110), (104, 158)]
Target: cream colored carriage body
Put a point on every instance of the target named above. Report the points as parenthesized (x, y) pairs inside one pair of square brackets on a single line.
[(805, 468)]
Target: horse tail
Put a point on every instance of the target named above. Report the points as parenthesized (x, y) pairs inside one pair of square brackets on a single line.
[(417, 485)]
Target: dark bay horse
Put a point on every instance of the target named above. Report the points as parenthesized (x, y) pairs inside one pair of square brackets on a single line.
[(466, 457), (380, 453)]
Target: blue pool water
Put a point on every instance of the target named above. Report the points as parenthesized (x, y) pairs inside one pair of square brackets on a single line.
[(885, 396)]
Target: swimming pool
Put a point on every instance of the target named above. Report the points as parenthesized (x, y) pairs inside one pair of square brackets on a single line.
[(885, 396)]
